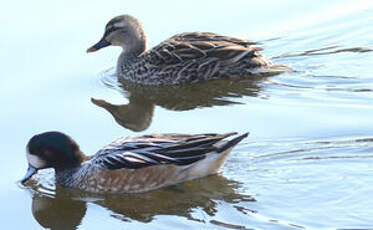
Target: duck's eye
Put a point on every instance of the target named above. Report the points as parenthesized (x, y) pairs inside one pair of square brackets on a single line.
[(114, 28), (110, 30)]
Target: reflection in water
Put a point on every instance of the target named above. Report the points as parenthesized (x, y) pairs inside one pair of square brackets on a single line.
[(66, 208), (57, 212), (137, 114)]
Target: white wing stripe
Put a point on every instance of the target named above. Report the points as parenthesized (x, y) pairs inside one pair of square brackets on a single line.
[(124, 155)]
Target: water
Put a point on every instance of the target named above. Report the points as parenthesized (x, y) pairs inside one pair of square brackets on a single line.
[(306, 164)]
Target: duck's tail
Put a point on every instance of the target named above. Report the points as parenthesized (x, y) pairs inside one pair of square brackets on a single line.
[(214, 160), (231, 143), (273, 69), (280, 68)]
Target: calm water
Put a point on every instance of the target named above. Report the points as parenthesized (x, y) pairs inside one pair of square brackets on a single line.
[(308, 162)]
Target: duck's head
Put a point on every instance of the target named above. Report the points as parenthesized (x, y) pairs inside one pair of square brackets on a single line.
[(52, 150), (124, 31)]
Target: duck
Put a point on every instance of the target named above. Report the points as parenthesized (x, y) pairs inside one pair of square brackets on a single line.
[(184, 58), (132, 164)]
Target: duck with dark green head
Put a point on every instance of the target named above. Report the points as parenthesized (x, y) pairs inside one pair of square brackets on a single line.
[(130, 164)]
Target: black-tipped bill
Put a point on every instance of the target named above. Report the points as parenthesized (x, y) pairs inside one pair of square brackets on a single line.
[(30, 172), (101, 44)]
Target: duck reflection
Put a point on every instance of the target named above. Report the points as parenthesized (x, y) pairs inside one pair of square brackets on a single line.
[(59, 212), (137, 114), (66, 208)]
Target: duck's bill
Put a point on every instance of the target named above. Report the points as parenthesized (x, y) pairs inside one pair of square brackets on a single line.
[(99, 45), (30, 172)]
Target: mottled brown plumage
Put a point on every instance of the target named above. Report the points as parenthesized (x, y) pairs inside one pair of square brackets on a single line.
[(183, 58)]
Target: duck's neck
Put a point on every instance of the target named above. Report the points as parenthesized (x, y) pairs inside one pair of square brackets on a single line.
[(65, 177), (125, 61), (134, 47), (68, 174), (72, 177), (129, 57)]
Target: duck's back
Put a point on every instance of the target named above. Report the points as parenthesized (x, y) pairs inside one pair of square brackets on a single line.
[(194, 57), (138, 164)]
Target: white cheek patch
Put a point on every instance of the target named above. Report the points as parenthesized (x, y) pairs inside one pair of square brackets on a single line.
[(35, 161)]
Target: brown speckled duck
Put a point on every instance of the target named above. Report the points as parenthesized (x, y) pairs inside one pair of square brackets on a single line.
[(131, 164), (182, 59)]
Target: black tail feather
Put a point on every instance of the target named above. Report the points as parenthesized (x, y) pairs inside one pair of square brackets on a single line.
[(231, 143)]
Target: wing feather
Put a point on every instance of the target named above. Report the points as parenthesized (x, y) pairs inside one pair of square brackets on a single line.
[(155, 150), (205, 47)]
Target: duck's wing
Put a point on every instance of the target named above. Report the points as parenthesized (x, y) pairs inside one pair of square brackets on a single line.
[(149, 150), (202, 48), (207, 36)]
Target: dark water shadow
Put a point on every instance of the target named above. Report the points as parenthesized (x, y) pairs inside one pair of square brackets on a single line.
[(65, 208), (138, 113)]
